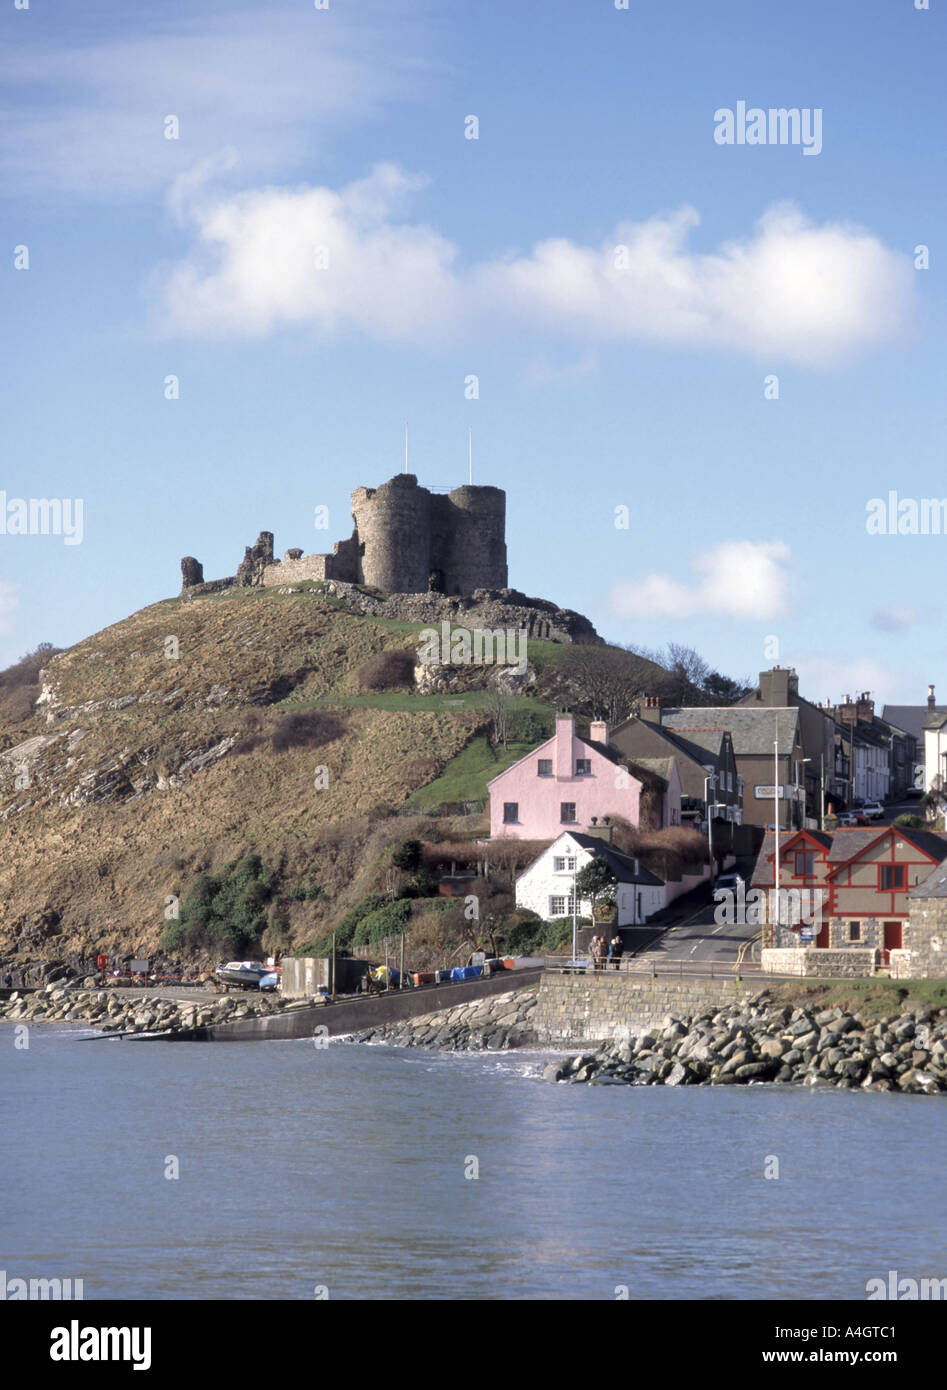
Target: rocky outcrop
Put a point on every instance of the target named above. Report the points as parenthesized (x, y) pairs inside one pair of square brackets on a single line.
[(494, 1024), (766, 1041)]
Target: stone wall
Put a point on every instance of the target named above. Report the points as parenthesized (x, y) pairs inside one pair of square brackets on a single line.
[(819, 962), (924, 941), (589, 1008)]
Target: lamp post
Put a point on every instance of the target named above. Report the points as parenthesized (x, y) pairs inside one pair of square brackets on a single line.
[(711, 778), (575, 908)]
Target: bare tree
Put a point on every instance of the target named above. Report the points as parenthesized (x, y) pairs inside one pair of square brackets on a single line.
[(498, 704), (601, 682)]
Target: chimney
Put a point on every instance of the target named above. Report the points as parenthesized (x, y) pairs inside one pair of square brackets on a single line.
[(603, 831), (598, 731), (565, 743), (775, 686), (930, 698), (866, 707), (651, 709)]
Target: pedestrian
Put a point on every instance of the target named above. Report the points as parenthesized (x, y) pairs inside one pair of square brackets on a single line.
[(617, 950)]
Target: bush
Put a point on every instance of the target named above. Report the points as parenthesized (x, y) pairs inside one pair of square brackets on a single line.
[(911, 822), (390, 670), (227, 910), (309, 728), (389, 920), (345, 931), (407, 855), (526, 727)]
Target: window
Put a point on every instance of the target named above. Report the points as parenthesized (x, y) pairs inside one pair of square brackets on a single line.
[(583, 767), (563, 863), (567, 812), (560, 907), (854, 931), (511, 812), (805, 863), (892, 877), (544, 767)]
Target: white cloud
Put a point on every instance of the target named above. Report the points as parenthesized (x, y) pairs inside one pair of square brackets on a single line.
[(383, 279), (737, 579), (273, 85), (894, 619), (790, 290)]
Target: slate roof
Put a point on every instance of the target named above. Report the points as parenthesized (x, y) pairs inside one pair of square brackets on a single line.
[(911, 718), (751, 730), (845, 844), (621, 865), (658, 767), (762, 876), (934, 886)]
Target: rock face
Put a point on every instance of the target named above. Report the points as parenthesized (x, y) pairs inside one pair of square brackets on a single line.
[(486, 608), (767, 1041), (495, 1024)]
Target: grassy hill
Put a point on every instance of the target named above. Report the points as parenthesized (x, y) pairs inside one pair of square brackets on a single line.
[(171, 743)]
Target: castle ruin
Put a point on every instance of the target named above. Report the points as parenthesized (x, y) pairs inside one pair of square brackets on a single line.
[(406, 540)]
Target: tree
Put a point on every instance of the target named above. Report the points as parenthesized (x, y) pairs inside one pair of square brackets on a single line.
[(407, 855), (498, 705), (601, 682), (721, 690), (596, 882)]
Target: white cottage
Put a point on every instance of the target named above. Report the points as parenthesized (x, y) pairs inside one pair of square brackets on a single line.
[(547, 885)]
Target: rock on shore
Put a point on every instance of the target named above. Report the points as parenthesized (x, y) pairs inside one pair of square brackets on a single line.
[(766, 1041), (120, 1013), (494, 1024)]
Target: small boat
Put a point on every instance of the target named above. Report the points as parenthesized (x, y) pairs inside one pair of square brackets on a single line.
[(245, 973)]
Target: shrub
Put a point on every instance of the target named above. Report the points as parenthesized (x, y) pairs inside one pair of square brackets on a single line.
[(345, 931), (309, 728), (390, 670), (389, 920), (407, 855), (910, 821), (227, 910)]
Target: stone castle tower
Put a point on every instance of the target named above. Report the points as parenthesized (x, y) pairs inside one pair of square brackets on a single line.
[(407, 540), (411, 541)]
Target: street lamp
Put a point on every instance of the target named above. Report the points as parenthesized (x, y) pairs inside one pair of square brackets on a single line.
[(711, 778)]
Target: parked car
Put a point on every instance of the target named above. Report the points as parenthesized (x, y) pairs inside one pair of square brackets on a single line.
[(873, 810), (730, 880), (849, 818)]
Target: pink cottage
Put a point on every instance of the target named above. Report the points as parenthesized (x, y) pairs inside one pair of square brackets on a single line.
[(567, 780)]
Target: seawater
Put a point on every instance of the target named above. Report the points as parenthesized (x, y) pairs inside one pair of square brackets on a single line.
[(349, 1169)]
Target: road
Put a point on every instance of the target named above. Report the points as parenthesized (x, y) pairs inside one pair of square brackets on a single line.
[(699, 943)]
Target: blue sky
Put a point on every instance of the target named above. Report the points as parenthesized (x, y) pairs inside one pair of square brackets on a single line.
[(639, 386)]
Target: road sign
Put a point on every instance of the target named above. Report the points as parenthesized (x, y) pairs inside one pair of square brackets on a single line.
[(766, 793)]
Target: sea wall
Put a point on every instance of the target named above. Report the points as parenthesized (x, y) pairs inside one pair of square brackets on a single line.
[(574, 1009)]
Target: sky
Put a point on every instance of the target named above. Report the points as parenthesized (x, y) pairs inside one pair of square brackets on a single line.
[(246, 244)]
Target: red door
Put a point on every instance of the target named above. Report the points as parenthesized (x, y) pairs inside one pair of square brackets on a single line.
[(892, 936), (892, 940)]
